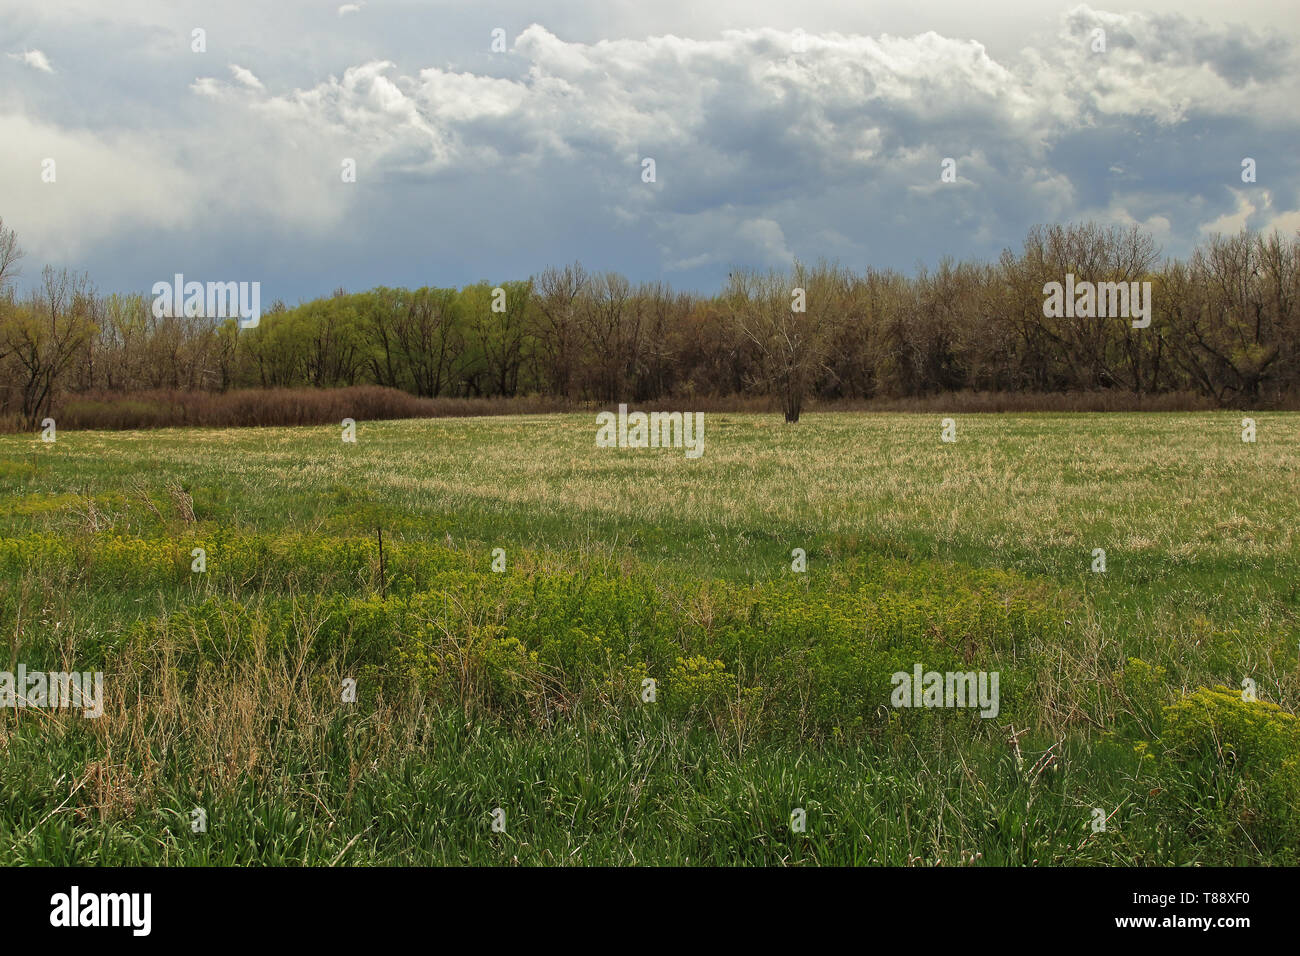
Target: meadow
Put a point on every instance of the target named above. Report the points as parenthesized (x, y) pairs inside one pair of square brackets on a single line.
[(523, 689)]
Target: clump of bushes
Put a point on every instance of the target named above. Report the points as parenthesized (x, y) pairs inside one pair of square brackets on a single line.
[(165, 408), (1235, 763), (794, 658)]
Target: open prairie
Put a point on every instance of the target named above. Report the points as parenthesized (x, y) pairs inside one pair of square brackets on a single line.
[(668, 660)]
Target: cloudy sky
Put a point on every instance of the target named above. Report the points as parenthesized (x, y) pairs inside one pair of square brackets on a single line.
[(777, 130)]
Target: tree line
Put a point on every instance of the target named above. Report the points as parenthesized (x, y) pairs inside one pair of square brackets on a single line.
[(1224, 325)]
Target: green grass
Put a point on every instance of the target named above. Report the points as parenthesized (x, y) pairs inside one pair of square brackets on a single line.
[(522, 690)]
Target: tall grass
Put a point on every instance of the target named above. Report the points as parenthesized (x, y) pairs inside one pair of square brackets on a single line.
[(524, 690)]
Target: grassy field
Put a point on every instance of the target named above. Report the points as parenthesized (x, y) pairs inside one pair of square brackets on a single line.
[(524, 691)]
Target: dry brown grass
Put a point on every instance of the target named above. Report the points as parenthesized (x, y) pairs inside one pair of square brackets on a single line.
[(310, 406), (265, 407)]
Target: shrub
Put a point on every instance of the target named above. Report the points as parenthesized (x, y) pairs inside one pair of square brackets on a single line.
[(1245, 752), (164, 408)]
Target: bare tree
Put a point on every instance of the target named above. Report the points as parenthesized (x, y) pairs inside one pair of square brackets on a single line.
[(44, 336), (610, 328), (557, 324), (1233, 315), (787, 320), (10, 254)]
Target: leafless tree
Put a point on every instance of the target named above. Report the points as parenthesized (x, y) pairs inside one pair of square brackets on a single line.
[(10, 254), (787, 320)]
